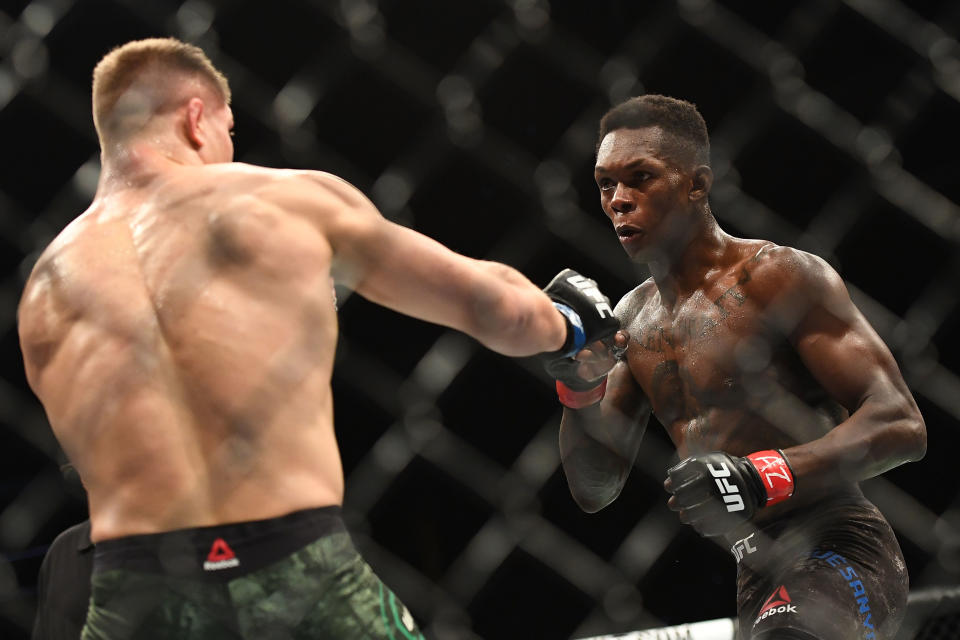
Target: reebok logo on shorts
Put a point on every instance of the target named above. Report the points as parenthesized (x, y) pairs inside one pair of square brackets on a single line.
[(778, 602), (221, 556)]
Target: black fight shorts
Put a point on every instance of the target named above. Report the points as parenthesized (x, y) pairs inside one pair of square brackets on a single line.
[(832, 571)]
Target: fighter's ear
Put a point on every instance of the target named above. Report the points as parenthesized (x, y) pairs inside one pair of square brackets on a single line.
[(701, 182), (193, 124)]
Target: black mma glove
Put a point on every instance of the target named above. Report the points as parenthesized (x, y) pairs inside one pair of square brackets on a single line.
[(589, 318), (715, 492)]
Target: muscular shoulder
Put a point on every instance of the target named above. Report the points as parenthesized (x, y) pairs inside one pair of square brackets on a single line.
[(288, 198), (296, 191), (39, 296), (319, 188), (633, 302), (34, 294), (776, 270), (788, 282), (40, 318)]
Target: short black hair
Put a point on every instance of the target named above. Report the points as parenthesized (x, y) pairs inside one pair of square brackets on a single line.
[(678, 118)]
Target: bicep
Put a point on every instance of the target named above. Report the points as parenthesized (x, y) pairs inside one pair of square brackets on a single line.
[(413, 274), (404, 270), (841, 350), (383, 261)]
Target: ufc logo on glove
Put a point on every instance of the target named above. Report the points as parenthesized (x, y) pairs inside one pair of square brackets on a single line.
[(589, 288), (727, 490), (717, 491)]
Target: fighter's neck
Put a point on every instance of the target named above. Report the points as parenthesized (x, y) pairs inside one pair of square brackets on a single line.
[(139, 162), (686, 270)]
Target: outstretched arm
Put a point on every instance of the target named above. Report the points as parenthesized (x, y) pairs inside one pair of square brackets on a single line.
[(599, 442), (408, 272)]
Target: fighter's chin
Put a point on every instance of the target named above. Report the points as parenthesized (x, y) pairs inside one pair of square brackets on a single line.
[(637, 254)]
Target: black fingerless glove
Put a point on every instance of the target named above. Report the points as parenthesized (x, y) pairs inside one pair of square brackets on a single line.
[(716, 492), (589, 318)]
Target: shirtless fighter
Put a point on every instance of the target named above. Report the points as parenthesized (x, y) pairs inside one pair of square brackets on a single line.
[(181, 333), (778, 395)]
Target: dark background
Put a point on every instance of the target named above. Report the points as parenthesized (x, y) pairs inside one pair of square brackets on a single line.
[(834, 128)]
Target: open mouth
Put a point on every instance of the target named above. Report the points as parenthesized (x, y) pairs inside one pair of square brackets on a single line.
[(626, 232)]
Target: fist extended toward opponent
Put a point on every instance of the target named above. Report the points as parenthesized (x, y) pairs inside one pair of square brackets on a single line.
[(715, 492), (590, 320)]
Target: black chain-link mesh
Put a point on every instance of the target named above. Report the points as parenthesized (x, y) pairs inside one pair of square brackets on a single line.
[(941, 628), (834, 129)]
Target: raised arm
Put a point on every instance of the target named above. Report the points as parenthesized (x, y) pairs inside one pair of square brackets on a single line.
[(599, 442), (851, 362), (406, 271), (601, 429)]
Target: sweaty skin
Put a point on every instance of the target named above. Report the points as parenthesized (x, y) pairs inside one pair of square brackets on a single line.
[(734, 345), (181, 332)]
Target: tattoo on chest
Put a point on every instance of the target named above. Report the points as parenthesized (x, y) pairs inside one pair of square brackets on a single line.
[(685, 331), (696, 324), (670, 385), (734, 295)]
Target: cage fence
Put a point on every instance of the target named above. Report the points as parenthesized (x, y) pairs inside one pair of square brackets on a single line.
[(833, 128)]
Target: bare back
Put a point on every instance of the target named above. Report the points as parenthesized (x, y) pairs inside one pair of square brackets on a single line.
[(181, 338)]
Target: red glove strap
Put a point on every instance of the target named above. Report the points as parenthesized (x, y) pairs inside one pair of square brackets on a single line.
[(775, 473), (580, 399)]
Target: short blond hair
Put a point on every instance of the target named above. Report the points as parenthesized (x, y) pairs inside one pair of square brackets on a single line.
[(156, 69)]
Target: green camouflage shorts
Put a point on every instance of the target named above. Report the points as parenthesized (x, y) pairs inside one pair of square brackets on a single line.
[(324, 590)]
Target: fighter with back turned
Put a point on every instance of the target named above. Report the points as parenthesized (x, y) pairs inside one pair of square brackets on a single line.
[(180, 334)]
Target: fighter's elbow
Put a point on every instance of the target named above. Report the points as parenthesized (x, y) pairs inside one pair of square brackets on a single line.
[(906, 430), (507, 319), (498, 324), (596, 493), (915, 435), (590, 502)]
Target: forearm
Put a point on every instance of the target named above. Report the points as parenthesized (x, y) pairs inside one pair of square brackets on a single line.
[(595, 471), (415, 275), (511, 315), (598, 445), (885, 431)]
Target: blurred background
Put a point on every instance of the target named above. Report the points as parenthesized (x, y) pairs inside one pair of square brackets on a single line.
[(834, 129)]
